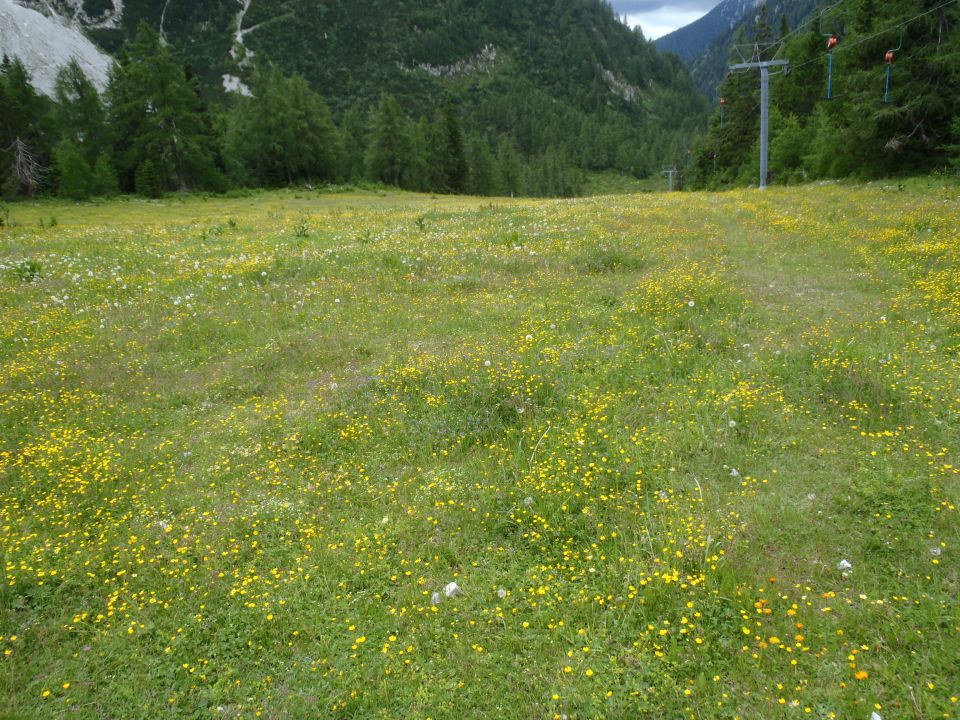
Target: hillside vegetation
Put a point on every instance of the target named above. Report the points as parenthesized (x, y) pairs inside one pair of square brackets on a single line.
[(545, 92), (857, 129), (682, 455)]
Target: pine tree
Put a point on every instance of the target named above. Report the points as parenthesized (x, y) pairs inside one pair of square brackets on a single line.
[(75, 178), (510, 168), (148, 181), (456, 166), (158, 116), (483, 171), (24, 131), (284, 134), (105, 182), (79, 114), (389, 149)]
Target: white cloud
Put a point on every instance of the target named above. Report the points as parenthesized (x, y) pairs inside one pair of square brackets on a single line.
[(656, 18)]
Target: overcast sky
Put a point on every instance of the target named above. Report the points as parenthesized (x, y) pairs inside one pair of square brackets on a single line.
[(658, 18)]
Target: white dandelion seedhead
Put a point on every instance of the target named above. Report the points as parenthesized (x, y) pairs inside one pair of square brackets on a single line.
[(487, 363), (844, 566), (435, 599), (528, 501), (529, 338), (936, 552), (691, 303), (502, 593), (731, 423), (452, 590)]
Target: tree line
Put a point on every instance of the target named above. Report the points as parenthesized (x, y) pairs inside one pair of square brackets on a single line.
[(152, 132)]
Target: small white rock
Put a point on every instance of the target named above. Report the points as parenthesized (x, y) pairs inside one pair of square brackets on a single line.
[(734, 472), (876, 716), (452, 590), (844, 566)]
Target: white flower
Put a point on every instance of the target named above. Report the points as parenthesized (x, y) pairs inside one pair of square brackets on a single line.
[(452, 590)]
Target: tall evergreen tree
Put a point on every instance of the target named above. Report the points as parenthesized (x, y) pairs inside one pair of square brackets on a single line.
[(79, 114), (284, 133), (158, 115), (456, 166), (388, 153)]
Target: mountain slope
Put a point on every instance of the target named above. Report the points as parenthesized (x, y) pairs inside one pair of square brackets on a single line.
[(710, 67), (691, 40), (44, 45), (544, 72)]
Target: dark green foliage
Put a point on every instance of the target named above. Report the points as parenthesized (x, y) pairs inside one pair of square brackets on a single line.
[(856, 133), (105, 181), (24, 127), (282, 135), (148, 182), (79, 113), (389, 151), (546, 73), (75, 177), (158, 115), (456, 169), (483, 168)]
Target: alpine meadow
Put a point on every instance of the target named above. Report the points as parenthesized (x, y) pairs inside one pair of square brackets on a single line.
[(382, 359), (385, 455)]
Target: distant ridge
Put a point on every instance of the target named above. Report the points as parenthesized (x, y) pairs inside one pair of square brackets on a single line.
[(691, 40)]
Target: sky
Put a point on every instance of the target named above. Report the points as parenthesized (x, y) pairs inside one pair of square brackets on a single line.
[(658, 18)]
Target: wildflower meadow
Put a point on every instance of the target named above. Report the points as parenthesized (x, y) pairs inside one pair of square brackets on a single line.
[(387, 455)]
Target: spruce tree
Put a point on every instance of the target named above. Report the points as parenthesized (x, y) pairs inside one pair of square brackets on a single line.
[(79, 114), (456, 166), (389, 149), (158, 116), (105, 182), (284, 133), (75, 177)]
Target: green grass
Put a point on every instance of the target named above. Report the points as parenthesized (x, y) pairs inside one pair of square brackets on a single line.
[(245, 442)]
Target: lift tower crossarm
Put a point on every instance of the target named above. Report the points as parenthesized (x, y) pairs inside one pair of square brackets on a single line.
[(764, 66)]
